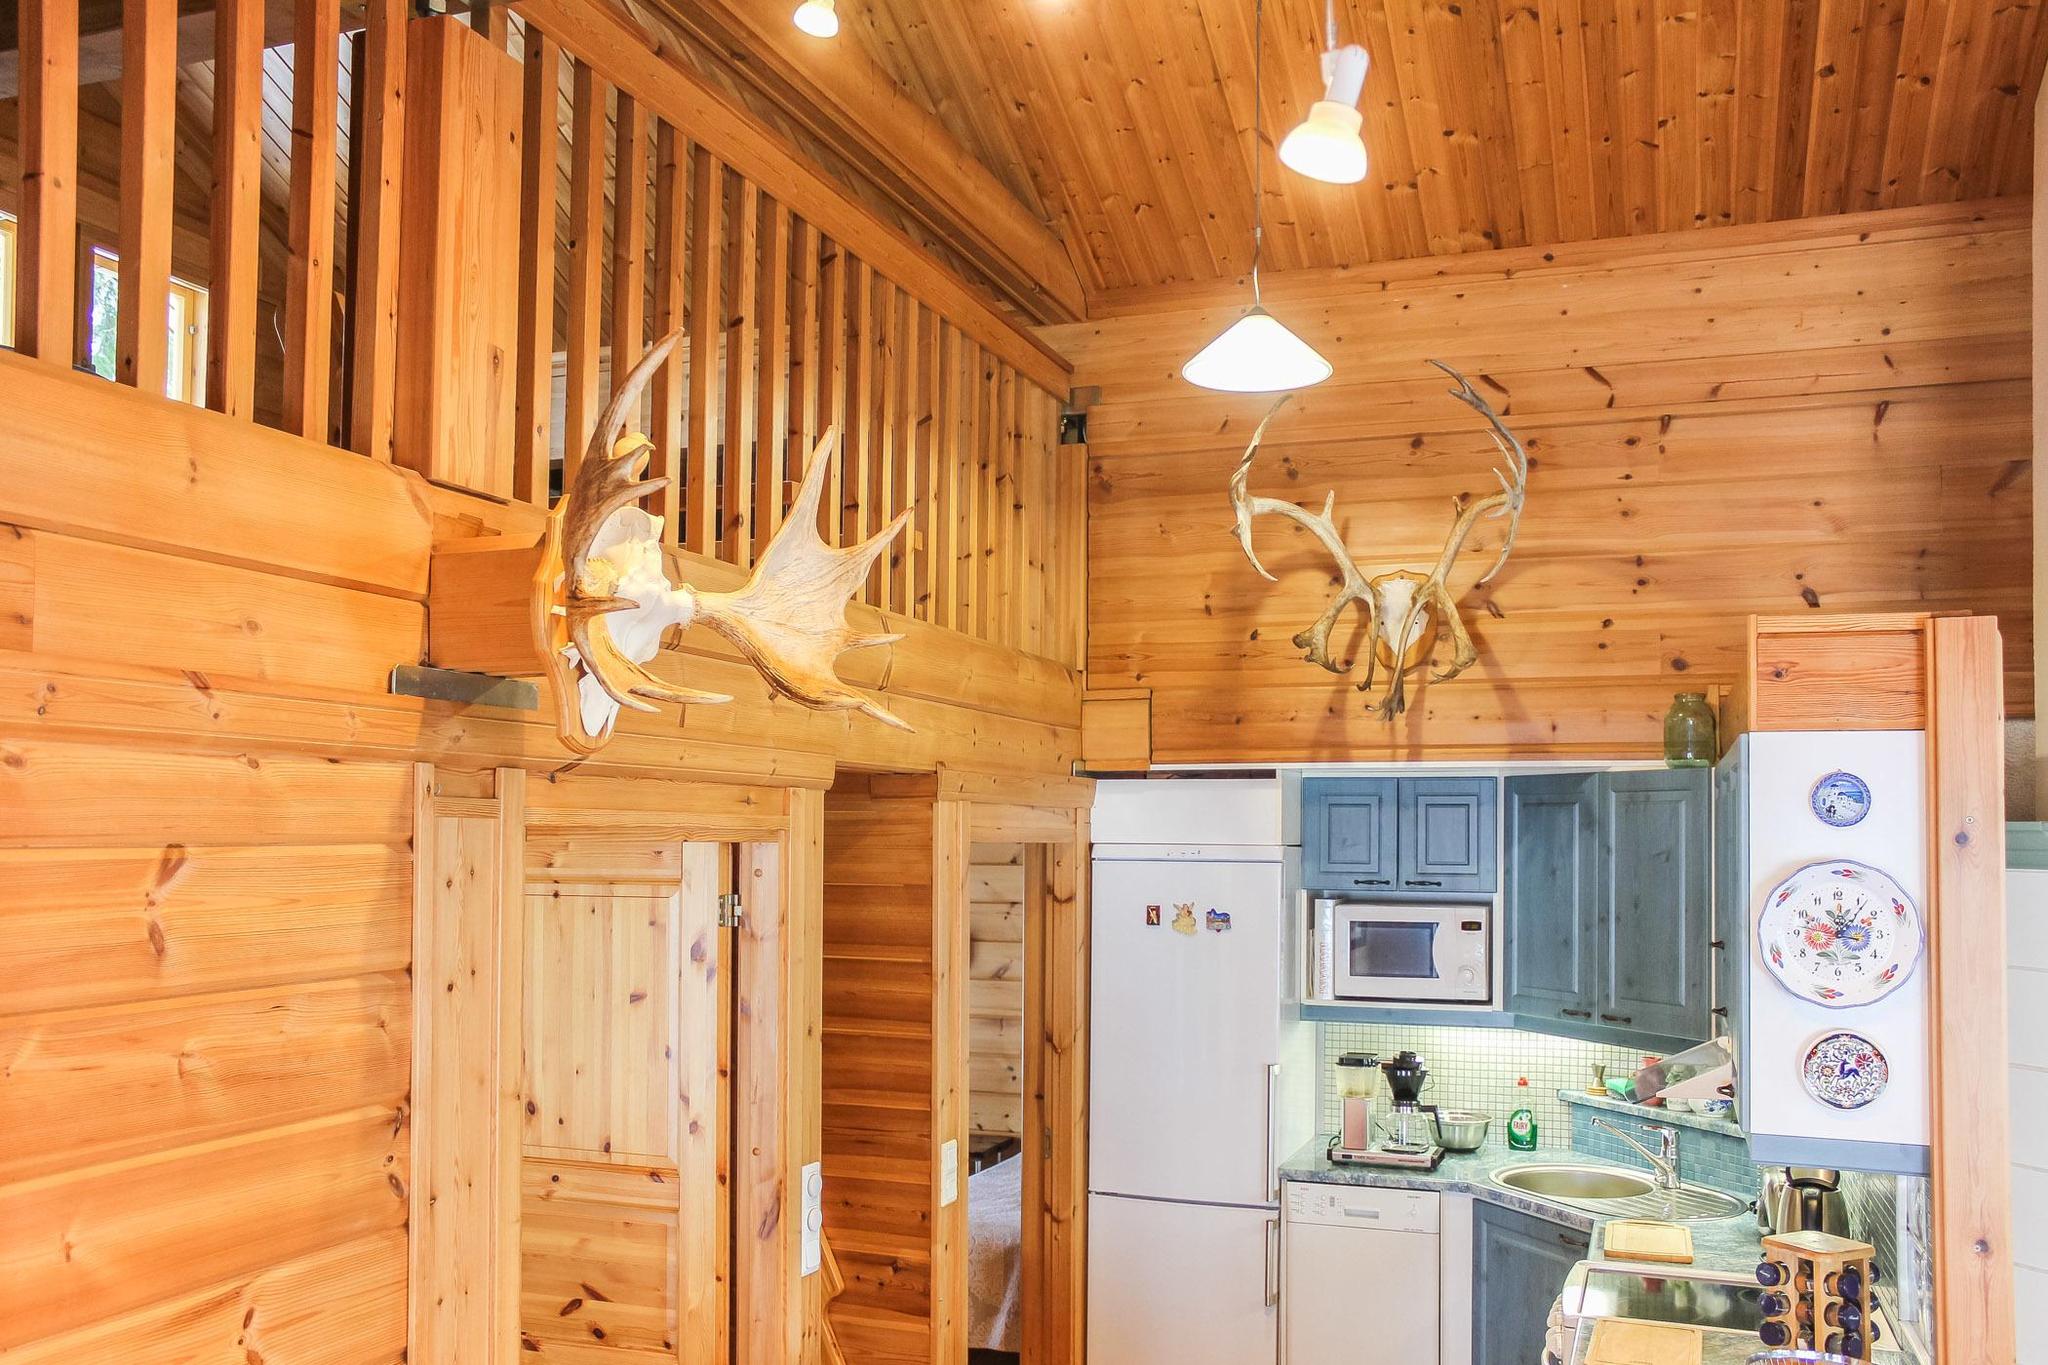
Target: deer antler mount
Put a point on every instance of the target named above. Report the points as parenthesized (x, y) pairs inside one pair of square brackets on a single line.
[(1406, 609), (602, 599)]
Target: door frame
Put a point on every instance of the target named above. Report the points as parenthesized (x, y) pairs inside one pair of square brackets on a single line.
[(1049, 818)]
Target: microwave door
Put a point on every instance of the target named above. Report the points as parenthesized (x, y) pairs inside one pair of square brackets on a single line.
[(1395, 959)]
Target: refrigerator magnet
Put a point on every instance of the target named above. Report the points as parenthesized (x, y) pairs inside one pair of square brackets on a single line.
[(1184, 919), (1152, 915), (1219, 921)]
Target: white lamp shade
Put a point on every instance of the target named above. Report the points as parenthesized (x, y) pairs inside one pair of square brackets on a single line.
[(1327, 146), (1256, 354), (818, 18)]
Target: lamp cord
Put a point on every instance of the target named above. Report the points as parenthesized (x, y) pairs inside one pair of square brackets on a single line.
[(1258, 142)]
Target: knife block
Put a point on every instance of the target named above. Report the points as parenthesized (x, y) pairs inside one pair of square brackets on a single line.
[(1818, 1294)]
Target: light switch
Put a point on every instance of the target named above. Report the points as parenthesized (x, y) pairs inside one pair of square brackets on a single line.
[(814, 1217), (949, 1172)]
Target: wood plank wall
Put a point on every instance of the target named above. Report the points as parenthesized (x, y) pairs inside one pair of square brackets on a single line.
[(205, 1052), (1823, 416), (880, 1097), (995, 991)]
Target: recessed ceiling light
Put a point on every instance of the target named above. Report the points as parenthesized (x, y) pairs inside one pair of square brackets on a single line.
[(818, 18)]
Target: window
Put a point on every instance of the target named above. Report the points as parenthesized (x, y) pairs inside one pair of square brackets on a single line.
[(7, 277), (185, 368)]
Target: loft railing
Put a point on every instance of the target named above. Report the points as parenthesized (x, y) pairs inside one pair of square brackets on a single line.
[(244, 166)]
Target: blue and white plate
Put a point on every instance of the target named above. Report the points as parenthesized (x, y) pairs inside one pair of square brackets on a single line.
[(1840, 799), (1845, 1071)]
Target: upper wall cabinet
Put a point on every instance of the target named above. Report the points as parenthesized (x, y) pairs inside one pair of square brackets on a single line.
[(1411, 835), (1608, 910)]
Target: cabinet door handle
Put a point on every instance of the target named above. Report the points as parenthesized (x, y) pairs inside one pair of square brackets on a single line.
[(1565, 1239), (1617, 1018), (1717, 943), (1372, 881), (1422, 881), (1576, 1014), (1719, 1011)]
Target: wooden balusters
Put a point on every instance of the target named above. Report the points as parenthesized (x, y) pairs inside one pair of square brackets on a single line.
[(882, 463), (903, 428), (771, 421), (629, 239), (860, 325), (149, 74), (309, 268), (540, 139), (707, 248), (376, 150), (736, 542), (665, 426), (835, 265), (47, 248), (806, 363), (586, 266)]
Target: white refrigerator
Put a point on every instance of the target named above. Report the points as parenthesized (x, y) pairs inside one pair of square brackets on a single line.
[(1201, 1079)]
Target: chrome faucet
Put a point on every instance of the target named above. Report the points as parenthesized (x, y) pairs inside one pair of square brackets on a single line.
[(1664, 1160)]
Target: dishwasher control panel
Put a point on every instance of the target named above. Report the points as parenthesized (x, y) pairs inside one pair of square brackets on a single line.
[(1362, 1206)]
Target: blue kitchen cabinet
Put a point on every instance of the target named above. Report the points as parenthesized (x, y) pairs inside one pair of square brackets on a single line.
[(1398, 836), (1657, 917), (1348, 833), (1519, 1265), (1447, 834), (1553, 896), (1608, 906)]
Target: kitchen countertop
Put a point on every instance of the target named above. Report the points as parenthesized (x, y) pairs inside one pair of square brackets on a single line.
[(1720, 1244)]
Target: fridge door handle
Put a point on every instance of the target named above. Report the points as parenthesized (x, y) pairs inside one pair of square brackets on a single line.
[(1272, 1132), (1273, 1262)]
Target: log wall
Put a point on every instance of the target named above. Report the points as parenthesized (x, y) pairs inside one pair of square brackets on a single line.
[(1821, 416)]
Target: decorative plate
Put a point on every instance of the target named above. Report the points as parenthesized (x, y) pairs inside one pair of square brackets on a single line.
[(1845, 1070), (1840, 934), (1840, 799)]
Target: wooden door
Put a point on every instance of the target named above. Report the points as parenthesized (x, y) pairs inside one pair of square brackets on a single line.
[(1447, 834), (1348, 833), (1552, 895), (625, 1246), (1656, 908)]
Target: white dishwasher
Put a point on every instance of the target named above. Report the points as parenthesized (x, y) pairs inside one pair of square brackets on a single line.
[(1359, 1278)]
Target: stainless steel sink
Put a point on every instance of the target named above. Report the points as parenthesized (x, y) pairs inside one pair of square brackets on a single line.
[(1574, 1182), (1618, 1194)]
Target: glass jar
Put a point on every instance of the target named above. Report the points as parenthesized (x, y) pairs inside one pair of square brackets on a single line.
[(1689, 732)]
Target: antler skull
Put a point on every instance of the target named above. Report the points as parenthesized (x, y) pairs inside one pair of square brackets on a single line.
[(602, 597), (1400, 606)]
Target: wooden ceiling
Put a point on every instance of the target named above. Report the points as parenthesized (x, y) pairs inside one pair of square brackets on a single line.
[(1489, 123)]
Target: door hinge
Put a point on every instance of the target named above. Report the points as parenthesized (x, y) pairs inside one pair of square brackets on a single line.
[(731, 914)]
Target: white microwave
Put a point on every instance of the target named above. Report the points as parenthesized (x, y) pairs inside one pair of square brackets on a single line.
[(1409, 954)]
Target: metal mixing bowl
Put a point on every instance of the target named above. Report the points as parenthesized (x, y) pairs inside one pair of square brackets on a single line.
[(1461, 1130)]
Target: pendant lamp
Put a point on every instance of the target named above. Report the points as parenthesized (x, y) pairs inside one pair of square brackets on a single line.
[(819, 18), (1327, 146), (1256, 353)]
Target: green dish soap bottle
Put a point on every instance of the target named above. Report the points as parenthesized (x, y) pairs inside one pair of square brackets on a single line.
[(1522, 1124)]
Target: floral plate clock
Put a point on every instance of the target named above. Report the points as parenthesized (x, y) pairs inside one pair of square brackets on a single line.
[(1840, 934)]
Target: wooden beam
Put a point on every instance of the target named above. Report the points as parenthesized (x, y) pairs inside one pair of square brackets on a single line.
[(1972, 1159), (309, 266), (149, 132), (632, 58), (44, 299), (468, 973), (840, 95), (375, 217)]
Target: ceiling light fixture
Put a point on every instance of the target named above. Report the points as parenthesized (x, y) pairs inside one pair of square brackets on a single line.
[(1327, 146), (818, 18), (1256, 353)]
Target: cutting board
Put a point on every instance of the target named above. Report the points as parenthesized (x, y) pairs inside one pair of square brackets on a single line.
[(1621, 1341), (1646, 1239)]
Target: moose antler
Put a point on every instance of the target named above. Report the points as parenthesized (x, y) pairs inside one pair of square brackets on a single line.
[(1397, 605), (602, 599)]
